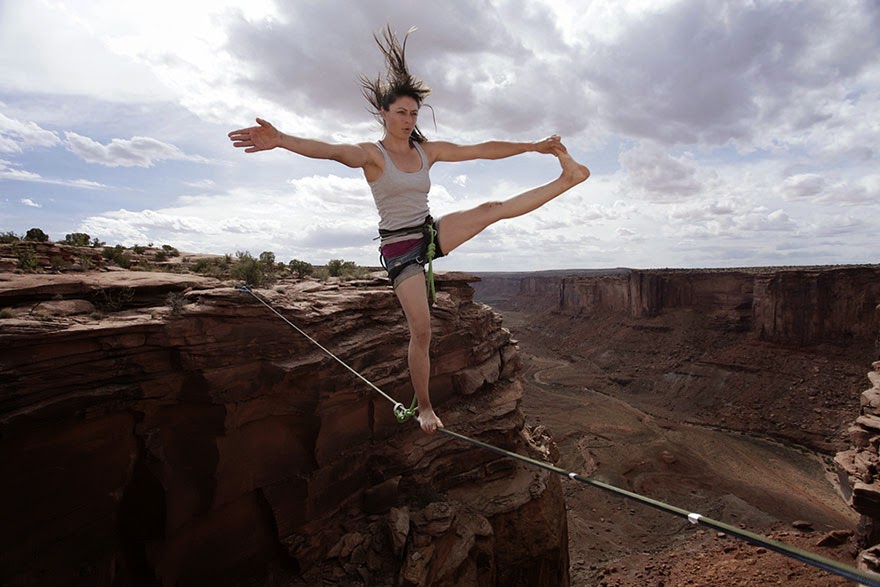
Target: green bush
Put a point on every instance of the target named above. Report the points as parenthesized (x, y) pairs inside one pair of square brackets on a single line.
[(202, 266), (218, 268), (36, 234), (337, 267), (113, 300), (27, 257), (170, 251), (118, 256), (77, 239), (58, 264), (267, 258), (86, 262), (176, 301), (300, 268), (253, 272), (345, 269), (9, 237)]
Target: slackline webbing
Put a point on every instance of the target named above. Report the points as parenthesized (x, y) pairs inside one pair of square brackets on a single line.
[(804, 556), (826, 564)]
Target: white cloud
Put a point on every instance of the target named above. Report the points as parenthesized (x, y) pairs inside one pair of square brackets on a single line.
[(48, 46), (17, 135), (317, 218), (8, 171), (717, 132), (654, 174), (814, 188), (30, 203), (133, 152), (202, 184), (761, 74)]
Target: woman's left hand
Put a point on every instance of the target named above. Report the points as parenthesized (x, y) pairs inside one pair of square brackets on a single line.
[(549, 145)]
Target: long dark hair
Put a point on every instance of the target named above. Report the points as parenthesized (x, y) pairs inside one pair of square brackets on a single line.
[(381, 93)]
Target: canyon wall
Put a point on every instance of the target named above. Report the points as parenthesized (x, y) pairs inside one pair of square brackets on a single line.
[(169, 429), (787, 305)]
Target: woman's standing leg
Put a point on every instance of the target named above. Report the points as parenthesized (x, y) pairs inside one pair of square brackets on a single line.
[(413, 297), (457, 228)]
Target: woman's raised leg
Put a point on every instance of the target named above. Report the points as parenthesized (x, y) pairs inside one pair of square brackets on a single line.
[(457, 228), (413, 297)]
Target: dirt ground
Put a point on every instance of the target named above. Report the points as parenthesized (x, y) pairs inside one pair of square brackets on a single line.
[(724, 457)]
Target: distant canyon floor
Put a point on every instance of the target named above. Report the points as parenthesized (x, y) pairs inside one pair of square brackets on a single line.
[(757, 458)]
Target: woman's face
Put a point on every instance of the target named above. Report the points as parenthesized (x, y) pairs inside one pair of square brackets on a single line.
[(401, 117)]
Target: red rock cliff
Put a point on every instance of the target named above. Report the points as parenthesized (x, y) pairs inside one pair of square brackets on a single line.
[(171, 438), (859, 470), (796, 305)]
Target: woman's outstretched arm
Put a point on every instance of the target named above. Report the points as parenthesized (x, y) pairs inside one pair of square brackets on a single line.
[(445, 151), (264, 137)]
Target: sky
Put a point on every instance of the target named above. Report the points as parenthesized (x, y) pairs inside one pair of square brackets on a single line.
[(718, 133)]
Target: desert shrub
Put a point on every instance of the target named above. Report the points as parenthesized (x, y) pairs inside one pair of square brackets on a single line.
[(7, 313), (27, 257), (118, 255), (300, 268), (336, 267), (36, 234), (9, 237), (202, 266), (77, 239), (58, 263), (161, 256), (267, 258), (176, 301), (139, 249), (345, 269), (252, 271), (113, 299), (170, 251), (213, 267)]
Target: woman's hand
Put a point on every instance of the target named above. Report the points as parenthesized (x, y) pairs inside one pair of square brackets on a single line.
[(550, 145), (256, 138)]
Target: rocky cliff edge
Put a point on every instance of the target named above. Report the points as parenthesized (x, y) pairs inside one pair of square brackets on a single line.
[(168, 429)]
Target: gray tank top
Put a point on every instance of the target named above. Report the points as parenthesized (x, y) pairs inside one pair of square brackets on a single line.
[(401, 197)]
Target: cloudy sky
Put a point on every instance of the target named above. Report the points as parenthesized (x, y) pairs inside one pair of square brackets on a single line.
[(719, 133)]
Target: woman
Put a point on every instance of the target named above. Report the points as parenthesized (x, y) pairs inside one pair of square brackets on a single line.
[(396, 169)]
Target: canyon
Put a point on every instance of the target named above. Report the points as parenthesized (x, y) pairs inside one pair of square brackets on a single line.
[(168, 428), (728, 392)]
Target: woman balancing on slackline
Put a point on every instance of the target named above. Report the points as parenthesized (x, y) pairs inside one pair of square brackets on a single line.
[(396, 169)]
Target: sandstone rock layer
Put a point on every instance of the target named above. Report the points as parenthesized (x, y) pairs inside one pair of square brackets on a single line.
[(205, 441)]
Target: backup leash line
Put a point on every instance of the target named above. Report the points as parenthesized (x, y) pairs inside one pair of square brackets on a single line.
[(403, 414)]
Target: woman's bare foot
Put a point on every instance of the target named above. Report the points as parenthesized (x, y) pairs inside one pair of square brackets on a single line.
[(429, 420), (572, 171)]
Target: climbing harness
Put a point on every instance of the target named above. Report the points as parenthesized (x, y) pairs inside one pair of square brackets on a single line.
[(403, 414), (422, 254)]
